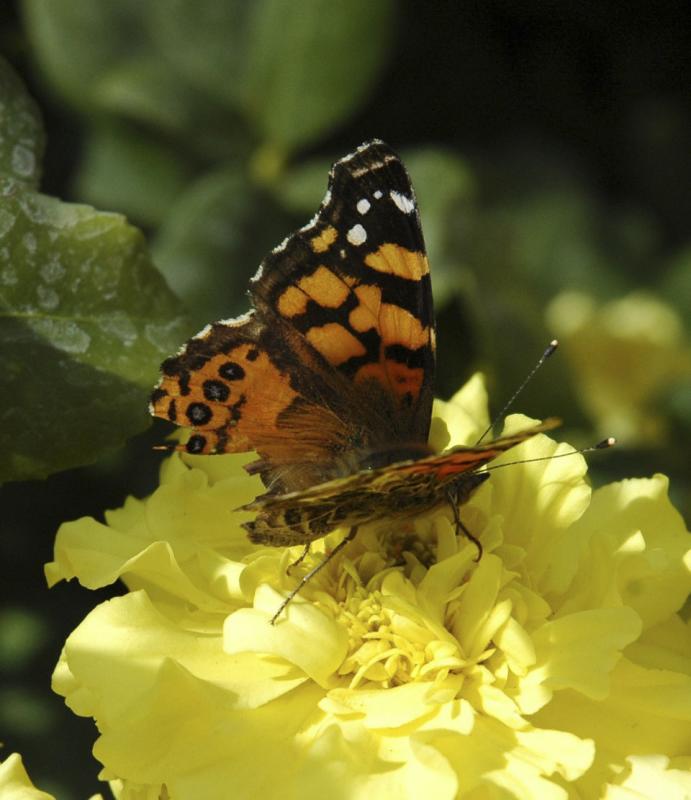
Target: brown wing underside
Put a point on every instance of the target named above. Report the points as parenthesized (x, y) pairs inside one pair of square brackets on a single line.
[(368, 495)]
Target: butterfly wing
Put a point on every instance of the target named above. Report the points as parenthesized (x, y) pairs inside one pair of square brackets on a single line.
[(338, 353), (355, 282), (240, 391), (368, 495)]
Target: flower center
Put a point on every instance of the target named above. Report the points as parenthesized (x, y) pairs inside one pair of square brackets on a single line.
[(391, 639), (390, 648)]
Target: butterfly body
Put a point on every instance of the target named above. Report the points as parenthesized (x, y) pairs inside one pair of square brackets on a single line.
[(329, 377)]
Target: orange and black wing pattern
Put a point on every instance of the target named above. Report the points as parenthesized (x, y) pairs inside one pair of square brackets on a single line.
[(355, 283), (337, 353)]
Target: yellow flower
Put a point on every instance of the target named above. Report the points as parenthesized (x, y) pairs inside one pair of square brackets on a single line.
[(555, 667), (15, 783), (625, 355)]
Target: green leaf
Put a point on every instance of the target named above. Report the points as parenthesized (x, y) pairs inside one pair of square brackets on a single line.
[(144, 88), (150, 91), (111, 175), (207, 42), (105, 58), (291, 71), (296, 69), (213, 240), (21, 131), (77, 42), (311, 64), (84, 322)]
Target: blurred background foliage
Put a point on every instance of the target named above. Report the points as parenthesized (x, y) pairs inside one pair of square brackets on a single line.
[(549, 147)]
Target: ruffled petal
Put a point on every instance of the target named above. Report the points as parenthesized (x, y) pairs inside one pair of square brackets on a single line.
[(15, 783)]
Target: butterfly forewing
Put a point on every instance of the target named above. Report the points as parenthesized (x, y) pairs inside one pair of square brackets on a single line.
[(355, 282)]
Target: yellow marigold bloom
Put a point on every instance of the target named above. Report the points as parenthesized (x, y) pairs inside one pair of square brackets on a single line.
[(625, 354), (555, 667)]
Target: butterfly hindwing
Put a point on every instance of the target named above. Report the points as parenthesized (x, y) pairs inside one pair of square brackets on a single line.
[(241, 388), (207, 386)]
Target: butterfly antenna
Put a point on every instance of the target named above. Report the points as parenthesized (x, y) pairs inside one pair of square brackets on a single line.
[(308, 577), (548, 352), (610, 441)]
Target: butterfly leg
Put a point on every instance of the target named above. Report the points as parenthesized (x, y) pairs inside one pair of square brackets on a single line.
[(308, 577), (452, 497), (299, 559)]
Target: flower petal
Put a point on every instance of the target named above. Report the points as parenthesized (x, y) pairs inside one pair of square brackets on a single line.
[(385, 708), (136, 640), (15, 783), (464, 418), (650, 778), (303, 636), (643, 548), (492, 760), (578, 652)]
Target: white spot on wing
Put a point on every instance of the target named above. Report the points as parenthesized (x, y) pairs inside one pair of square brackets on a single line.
[(357, 235), (378, 194), (363, 206), (405, 204), (327, 198)]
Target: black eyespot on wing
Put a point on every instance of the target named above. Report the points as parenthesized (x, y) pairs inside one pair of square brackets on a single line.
[(198, 413), (196, 444), (231, 371), (216, 391)]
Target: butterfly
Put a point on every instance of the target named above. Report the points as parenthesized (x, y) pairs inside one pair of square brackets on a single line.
[(330, 376)]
